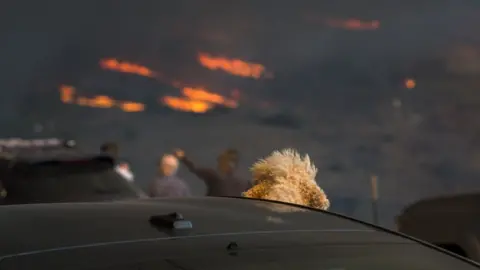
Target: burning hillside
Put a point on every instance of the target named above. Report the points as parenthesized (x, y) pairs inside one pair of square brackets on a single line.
[(190, 99)]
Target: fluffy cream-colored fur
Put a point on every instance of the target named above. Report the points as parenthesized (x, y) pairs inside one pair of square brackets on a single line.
[(286, 176)]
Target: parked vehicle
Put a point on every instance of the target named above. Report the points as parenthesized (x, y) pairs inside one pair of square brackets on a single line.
[(450, 222), (35, 171), (204, 233)]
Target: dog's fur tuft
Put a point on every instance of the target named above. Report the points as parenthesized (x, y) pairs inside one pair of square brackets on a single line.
[(286, 176)]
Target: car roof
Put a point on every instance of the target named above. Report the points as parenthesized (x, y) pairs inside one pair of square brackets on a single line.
[(39, 227), (37, 150), (52, 154)]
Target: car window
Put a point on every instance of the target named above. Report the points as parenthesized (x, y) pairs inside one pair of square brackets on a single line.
[(58, 183), (328, 256)]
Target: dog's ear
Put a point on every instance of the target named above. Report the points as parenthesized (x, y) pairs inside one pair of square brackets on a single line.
[(317, 198), (256, 192)]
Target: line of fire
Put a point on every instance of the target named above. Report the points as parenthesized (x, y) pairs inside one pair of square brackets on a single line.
[(189, 98), (192, 99)]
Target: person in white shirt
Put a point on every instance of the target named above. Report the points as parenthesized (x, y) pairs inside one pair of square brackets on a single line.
[(124, 170)]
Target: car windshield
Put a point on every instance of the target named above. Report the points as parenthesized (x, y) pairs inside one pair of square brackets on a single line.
[(373, 92)]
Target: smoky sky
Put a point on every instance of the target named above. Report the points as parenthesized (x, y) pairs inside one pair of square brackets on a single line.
[(334, 71), (51, 41)]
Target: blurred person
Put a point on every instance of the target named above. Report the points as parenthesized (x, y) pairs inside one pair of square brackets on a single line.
[(111, 149), (167, 183), (3, 192), (286, 176), (222, 181), (122, 167)]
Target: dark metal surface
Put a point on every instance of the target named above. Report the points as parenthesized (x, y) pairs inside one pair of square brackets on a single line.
[(62, 174), (454, 218), (30, 156), (286, 250), (46, 226), (120, 234), (28, 151)]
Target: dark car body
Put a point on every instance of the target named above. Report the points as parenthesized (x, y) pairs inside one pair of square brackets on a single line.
[(61, 174), (226, 233), (450, 222)]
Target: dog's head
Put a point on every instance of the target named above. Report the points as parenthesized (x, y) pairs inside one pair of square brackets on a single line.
[(284, 167)]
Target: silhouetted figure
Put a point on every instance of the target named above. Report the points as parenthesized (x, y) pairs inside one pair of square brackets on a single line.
[(220, 182), (111, 149), (167, 183), (122, 167), (3, 193)]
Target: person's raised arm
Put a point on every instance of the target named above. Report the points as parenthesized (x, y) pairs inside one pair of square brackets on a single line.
[(208, 175)]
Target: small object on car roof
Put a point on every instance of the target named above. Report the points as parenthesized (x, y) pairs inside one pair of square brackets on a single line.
[(232, 246), (174, 221)]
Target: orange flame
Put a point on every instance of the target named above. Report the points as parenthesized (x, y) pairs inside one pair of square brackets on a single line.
[(197, 100), (410, 83), (125, 67), (204, 95), (235, 67), (187, 105), (67, 95), (354, 24), (128, 106)]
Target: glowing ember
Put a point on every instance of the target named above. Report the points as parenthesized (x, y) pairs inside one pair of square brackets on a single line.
[(67, 94), (410, 83)]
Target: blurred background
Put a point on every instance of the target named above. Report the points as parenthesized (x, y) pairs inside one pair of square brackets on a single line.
[(384, 89)]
